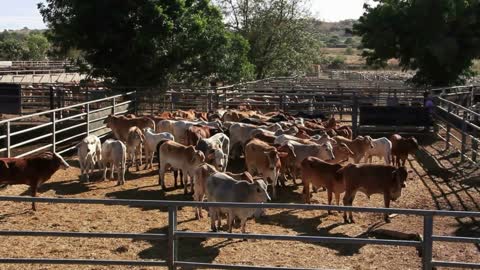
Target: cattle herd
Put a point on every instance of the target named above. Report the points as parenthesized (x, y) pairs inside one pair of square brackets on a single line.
[(197, 147)]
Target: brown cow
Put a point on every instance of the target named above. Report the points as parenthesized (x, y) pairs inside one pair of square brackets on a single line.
[(187, 115), (178, 156), (321, 174), (196, 132), (120, 125), (135, 139), (264, 136), (263, 159), (359, 146), (341, 152), (401, 147), (344, 131), (372, 179), (32, 171)]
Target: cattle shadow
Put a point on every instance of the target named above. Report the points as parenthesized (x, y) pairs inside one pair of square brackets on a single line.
[(68, 187), (189, 249), (453, 189), (309, 227), (158, 194)]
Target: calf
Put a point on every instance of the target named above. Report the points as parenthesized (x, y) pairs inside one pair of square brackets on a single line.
[(382, 148), (321, 174), (114, 153), (151, 141), (33, 171), (200, 176), (135, 140), (342, 153), (222, 188), (263, 159), (401, 147), (372, 179), (359, 146), (178, 156), (89, 153)]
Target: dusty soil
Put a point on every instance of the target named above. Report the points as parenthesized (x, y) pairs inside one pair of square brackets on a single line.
[(449, 186)]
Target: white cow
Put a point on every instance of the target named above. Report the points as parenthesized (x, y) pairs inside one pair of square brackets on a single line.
[(89, 153), (216, 150), (382, 148), (135, 139), (151, 141), (114, 152)]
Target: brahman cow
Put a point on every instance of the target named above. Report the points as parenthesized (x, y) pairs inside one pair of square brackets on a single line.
[(216, 150), (135, 139), (114, 153), (401, 147), (359, 146), (222, 188), (372, 179), (178, 156), (120, 125), (33, 171), (89, 153), (382, 148), (151, 141)]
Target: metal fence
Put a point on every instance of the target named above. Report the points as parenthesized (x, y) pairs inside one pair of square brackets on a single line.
[(424, 245), (60, 129)]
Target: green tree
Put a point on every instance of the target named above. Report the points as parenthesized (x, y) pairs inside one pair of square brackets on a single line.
[(147, 42), (38, 46), (279, 34), (13, 50), (437, 38)]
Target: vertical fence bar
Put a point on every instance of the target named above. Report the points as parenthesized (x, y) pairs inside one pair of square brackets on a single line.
[(448, 127), (355, 115), (87, 118), (113, 106), (474, 140), (464, 136), (8, 140), (54, 131), (172, 242), (427, 242)]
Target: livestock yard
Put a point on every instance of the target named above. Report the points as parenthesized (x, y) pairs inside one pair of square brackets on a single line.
[(442, 175)]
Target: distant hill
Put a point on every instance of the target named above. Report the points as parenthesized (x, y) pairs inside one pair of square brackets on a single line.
[(333, 34)]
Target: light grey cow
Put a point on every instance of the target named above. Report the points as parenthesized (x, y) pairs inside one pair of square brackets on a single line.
[(222, 188), (89, 153), (114, 152)]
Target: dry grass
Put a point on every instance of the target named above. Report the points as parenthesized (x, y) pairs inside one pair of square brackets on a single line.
[(452, 187)]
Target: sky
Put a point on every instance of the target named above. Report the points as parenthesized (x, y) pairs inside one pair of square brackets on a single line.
[(16, 14)]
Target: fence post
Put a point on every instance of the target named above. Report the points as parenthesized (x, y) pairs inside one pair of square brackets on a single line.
[(54, 130), (474, 139), (135, 103), (172, 242), (8, 140), (113, 106), (87, 110), (448, 127), (52, 97), (464, 137), (427, 243), (355, 115)]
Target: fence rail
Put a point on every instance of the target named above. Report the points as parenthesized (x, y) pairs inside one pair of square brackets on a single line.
[(173, 235), (60, 129)]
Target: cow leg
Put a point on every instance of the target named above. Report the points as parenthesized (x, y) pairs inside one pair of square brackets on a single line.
[(230, 222), (138, 153), (161, 175), (243, 223), (121, 174), (348, 201), (105, 172), (213, 215), (112, 167), (329, 195), (306, 191), (34, 194), (175, 176), (386, 200)]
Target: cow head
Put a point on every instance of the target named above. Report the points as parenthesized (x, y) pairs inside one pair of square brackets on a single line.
[(218, 158), (109, 120), (197, 157), (399, 176), (368, 141), (273, 158), (260, 193), (326, 152), (343, 148)]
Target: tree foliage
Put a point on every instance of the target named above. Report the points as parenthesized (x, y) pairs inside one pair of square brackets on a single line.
[(278, 34), (147, 42), (23, 45), (437, 38)]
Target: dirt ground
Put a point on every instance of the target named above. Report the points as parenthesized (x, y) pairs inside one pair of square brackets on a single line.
[(436, 181)]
